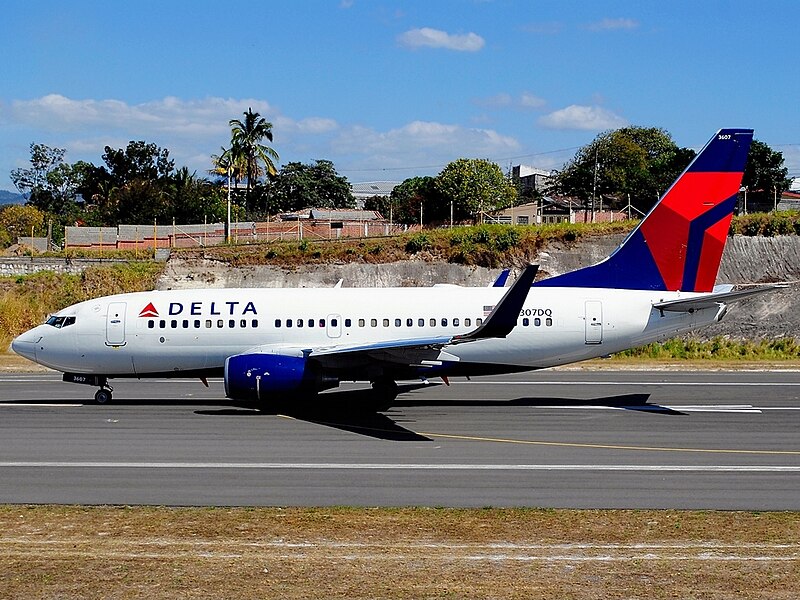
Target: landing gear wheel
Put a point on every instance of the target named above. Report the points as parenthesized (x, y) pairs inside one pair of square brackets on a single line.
[(386, 391), (102, 396)]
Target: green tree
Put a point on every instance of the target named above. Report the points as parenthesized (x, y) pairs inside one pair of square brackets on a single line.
[(412, 194), (299, 185), (17, 221), (635, 162), (192, 199), (132, 187), (246, 146), (474, 185), (50, 183), (765, 177)]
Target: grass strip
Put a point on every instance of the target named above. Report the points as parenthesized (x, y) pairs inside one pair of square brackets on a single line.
[(123, 552)]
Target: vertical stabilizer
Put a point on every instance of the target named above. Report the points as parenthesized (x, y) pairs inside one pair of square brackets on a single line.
[(679, 244)]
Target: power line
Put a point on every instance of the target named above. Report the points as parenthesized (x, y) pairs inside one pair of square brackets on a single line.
[(440, 166)]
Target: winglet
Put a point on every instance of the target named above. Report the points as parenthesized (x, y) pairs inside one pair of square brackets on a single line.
[(503, 317)]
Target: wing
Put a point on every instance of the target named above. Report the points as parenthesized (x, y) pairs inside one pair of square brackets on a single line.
[(419, 351)]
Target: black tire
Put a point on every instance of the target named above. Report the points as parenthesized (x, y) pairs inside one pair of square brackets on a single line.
[(385, 391), (102, 396)]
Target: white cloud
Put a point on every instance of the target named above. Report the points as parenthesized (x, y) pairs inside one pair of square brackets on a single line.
[(192, 130), (427, 37), (418, 144), (549, 28), (525, 101), (591, 118), (528, 100), (613, 24), (205, 118)]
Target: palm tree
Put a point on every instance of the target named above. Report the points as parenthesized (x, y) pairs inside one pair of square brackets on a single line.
[(228, 163), (246, 137)]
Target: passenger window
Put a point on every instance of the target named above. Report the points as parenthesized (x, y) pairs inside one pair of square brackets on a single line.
[(289, 322), (361, 322), (421, 322), (334, 322), (311, 322), (162, 323), (526, 321), (299, 322), (478, 321), (444, 322), (255, 323), (243, 323), (548, 321), (455, 322), (537, 321), (373, 322), (197, 323), (208, 323), (231, 323), (220, 323), (398, 322), (409, 322), (467, 322), (186, 323), (151, 324), (348, 323), (386, 322), (277, 322), (433, 322), (173, 323), (322, 322)]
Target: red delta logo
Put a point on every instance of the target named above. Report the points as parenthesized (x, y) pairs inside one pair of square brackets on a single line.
[(149, 311)]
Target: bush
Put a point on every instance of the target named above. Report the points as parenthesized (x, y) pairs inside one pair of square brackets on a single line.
[(417, 243)]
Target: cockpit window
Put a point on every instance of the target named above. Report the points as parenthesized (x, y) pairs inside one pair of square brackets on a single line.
[(59, 322)]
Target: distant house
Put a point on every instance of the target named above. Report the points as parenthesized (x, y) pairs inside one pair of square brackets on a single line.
[(368, 189), (554, 210), (532, 180), (789, 201)]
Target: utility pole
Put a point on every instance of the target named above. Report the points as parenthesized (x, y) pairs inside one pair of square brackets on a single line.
[(228, 223)]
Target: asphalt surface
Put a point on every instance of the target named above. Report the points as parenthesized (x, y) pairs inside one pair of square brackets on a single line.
[(582, 439)]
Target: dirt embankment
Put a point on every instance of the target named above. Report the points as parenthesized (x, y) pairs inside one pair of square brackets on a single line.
[(746, 260)]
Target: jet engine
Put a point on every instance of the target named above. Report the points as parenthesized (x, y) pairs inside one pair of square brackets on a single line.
[(259, 376)]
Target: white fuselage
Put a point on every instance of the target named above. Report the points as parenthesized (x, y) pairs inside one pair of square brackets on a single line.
[(196, 330)]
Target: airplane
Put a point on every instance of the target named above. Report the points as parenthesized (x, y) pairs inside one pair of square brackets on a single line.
[(273, 344)]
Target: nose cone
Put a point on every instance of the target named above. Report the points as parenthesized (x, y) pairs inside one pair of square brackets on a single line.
[(25, 344)]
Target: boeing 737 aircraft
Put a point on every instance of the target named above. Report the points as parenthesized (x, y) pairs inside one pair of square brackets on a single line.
[(275, 343)]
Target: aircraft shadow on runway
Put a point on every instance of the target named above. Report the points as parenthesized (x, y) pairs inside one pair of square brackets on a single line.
[(354, 410)]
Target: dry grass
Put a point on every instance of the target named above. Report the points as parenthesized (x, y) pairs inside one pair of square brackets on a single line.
[(67, 552)]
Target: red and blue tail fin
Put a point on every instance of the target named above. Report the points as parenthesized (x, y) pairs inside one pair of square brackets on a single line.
[(679, 244)]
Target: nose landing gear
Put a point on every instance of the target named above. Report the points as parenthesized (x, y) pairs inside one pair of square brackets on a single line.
[(103, 395)]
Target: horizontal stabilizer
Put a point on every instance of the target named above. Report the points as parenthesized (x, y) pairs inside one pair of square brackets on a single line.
[(501, 279), (713, 299)]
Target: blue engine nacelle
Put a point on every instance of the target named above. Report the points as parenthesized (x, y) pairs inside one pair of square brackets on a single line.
[(258, 376)]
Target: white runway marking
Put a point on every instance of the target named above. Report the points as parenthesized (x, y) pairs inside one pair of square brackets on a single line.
[(639, 383), (399, 467), (37, 405)]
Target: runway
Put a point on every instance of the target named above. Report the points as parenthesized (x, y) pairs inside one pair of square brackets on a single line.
[(572, 439)]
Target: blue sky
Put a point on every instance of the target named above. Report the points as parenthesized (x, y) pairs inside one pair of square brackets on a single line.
[(389, 89)]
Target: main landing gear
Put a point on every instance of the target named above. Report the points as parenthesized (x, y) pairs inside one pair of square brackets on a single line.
[(385, 392), (103, 395)]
